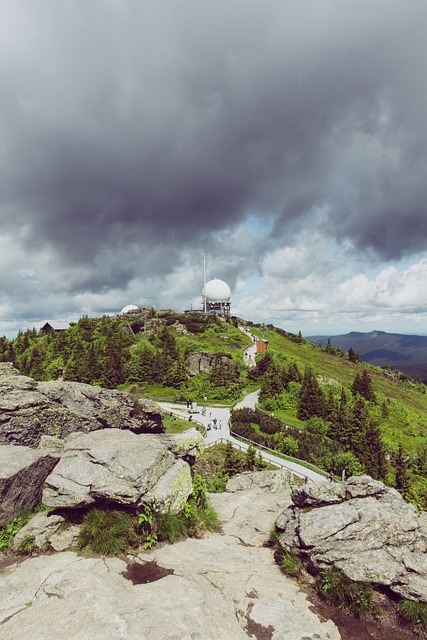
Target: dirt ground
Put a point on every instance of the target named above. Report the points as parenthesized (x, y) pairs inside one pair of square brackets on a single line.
[(352, 628)]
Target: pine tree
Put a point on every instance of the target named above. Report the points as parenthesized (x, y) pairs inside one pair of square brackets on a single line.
[(358, 427), (363, 386), (312, 399), (35, 365), (352, 355), (76, 368), (401, 464), (231, 464), (339, 427), (373, 456), (250, 458)]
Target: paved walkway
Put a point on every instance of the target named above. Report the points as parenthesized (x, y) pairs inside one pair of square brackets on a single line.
[(216, 423), (222, 432)]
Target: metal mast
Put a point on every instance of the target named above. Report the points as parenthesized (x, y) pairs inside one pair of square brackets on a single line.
[(204, 282)]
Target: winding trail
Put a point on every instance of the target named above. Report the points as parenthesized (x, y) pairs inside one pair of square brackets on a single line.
[(222, 433), (216, 422)]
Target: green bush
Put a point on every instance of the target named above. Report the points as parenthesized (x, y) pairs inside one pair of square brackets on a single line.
[(290, 563), (108, 533), (10, 530), (339, 590), (414, 612), (218, 483)]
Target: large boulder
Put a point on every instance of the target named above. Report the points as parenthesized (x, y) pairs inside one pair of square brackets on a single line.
[(23, 472), (274, 481), (363, 528), (30, 409), (203, 361), (112, 466)]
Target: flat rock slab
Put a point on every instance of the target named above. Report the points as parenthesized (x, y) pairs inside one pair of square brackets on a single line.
[(225, 586)]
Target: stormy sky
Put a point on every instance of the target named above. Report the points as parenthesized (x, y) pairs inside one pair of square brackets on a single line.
[(285, 139)]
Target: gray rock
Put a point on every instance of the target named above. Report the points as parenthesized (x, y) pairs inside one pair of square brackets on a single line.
[(275, 481), (203, 361), (39, 529), (187, 445), (318, 494), (23, 472), (109, 465), (30, 409), (173, 489), (64, 539), (363, 528), (225, 585), (119, 467)]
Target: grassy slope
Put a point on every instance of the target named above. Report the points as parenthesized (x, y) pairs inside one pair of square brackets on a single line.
[(406, 422), (407, 419)]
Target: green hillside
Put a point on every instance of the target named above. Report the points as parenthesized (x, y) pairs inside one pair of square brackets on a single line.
[(317, 403)]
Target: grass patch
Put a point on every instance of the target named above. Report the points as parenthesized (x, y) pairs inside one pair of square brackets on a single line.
[(114, 533), (8, 532), (339, 590), (415, 613), (179, 425), (109, 533)]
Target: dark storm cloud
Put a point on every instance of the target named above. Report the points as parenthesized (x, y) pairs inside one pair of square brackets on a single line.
[(157, 124)]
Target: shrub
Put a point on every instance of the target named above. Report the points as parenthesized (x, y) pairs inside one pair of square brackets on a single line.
[(219, 481), (106, 532), (290, 563), (339, 590), (414, 612), (10, 530)]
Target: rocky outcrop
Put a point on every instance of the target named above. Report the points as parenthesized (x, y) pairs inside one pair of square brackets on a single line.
[(112, 466), (30, 409), (225, 585), (23, 472), (275, 481), (203, 361), (363, 528)]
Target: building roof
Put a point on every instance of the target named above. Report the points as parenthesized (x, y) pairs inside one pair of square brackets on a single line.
[(56, 325)]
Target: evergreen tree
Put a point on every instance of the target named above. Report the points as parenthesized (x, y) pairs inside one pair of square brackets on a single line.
[(312, 399), (339, 427), (352, 355), (401, 465), (231, 464), (363, 386), (329, 348), (4, 346), (35, 364), (177, 374), (373, 456), (293, 374), (76, 368), (357, 428), (272, 383), (250, 458)]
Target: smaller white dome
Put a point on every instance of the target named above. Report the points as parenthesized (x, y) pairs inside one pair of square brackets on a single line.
[(217, 291), (129, 307)]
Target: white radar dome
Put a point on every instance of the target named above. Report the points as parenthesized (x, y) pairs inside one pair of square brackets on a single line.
[(217, 291), (129, 307)]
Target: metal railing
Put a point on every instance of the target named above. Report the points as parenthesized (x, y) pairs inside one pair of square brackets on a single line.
[(277, 454)]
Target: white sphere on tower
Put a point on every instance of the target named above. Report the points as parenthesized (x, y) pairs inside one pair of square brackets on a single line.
[(129, 307), (217, 291)]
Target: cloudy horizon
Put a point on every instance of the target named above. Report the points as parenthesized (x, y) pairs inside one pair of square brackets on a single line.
[(284, 140)]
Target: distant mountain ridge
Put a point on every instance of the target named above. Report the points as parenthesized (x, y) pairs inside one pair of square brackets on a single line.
[(407, 353)]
